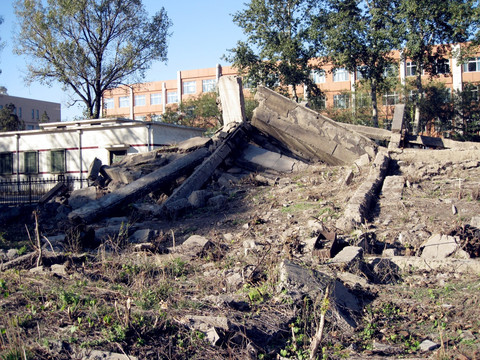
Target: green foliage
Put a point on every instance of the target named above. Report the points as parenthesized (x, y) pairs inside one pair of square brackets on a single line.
[(278, 51), (201, 111), (9, 120), (359, 36), (89, 46), (424, 25)]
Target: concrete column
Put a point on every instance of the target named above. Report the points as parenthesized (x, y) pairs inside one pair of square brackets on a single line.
[(164, 97), (231, 98), (353, 77), (456, 70), (402, 68), (132, 104), (18, 156), (80, 156), (179, 86)]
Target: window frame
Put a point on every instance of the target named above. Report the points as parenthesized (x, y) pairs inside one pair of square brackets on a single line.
[(318, 76), (26, 163), (172, 97), (109, 103), (386, 98), (122, 100), (472, 61), (6, 163), (156, 99), (141, 98), (54, 168), (209, 85), (341, 101), (341, 74), (189, 87)]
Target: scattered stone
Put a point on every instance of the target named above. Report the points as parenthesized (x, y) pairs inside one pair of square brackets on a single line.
[(59, 269), (363, 160), (194, 246), (217, 202), (12, 254), (102, 355), (440, 246), (198, 198), (454, 210), (349, 257), (214, 327), (428, 345)]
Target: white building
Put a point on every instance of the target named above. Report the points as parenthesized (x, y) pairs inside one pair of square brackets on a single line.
[(68, 148)]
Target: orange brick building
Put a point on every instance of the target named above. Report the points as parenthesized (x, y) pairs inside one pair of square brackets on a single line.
[(148, 101)]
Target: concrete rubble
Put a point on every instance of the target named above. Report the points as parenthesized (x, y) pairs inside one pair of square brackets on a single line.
[(282, 138)]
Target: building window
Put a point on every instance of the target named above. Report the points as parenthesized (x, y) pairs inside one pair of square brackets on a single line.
[(57, 161), (140, 118), (6, 163), (362, 100), (442, 66), (340, 75), (38, 114), (472, 65), (140, 100), (30, 162), (172, 97), (189, 87), (411, 68), (390, 71), (156, 99), (20, 112), (108, 103), (124, 101), (117, 155), (33, 114), (341, 101), (318, 76), (209, 85), (390, 98)]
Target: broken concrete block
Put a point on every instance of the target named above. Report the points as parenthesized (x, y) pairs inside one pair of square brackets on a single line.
[(199, 198), (428, 345), (327, 245), (94, 169), (194, 246), (257, 158), (363, 160), (58, 269), (218, 201), (231, 99), (297, 281), (194, 143), (214, 327), (104, 355), (440, 246), (349, 257), (81, 197), (177, 208), (143, 236)]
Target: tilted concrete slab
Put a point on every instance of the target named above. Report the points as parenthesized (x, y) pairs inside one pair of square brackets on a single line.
[(306, 133)]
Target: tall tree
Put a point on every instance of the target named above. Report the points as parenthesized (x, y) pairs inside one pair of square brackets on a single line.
[(9, 120), (278, 51), (359, 36), (90, 46), (428, 27)]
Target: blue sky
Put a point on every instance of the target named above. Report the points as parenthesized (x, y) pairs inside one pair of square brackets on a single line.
[(203, 31)]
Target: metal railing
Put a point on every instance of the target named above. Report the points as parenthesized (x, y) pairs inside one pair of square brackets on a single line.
[(31, 189)]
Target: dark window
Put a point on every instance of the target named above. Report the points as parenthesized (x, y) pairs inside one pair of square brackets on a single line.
[(6, 163), (31, 162), (57, 161), (117, 155)]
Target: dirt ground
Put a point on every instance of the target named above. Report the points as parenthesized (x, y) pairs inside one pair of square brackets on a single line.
[(115, 299)]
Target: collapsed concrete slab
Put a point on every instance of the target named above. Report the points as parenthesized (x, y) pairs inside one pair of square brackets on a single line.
[(306, 133), (154, 181), (360, 203)]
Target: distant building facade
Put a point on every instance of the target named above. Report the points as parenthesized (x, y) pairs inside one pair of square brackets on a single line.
[(33, 112), (148, 101)]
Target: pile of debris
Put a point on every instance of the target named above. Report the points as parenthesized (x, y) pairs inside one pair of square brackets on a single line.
[(339, 262)]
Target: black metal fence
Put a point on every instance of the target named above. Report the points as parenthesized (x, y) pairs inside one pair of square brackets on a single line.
[(30, 190)]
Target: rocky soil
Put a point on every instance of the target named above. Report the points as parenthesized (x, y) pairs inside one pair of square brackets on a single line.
[(251, 273)]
